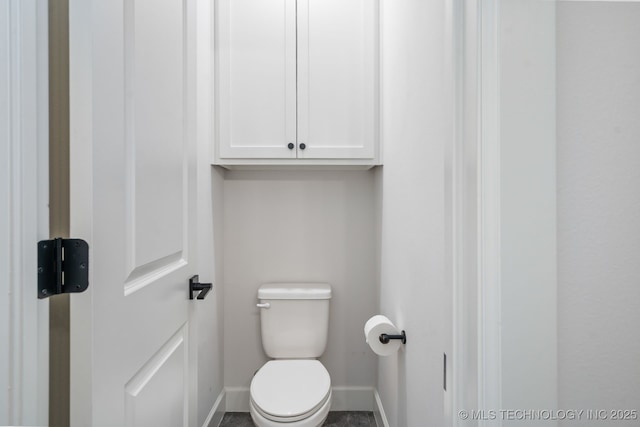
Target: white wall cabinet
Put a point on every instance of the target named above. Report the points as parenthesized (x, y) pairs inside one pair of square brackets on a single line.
[(297, 82)]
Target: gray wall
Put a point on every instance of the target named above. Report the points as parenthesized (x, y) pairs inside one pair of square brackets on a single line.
[(284, 226), (598, 49), (411, 202), (527, 207)]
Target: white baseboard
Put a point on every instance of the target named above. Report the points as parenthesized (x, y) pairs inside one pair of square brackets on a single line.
[(217, 411), (343, 399), (352, 398), (378, 411), (237, 399)]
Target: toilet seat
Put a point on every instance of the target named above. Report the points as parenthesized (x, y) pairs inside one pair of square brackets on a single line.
[(290, 390)]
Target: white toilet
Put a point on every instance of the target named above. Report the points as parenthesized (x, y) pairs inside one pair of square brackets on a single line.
[(294, 388)]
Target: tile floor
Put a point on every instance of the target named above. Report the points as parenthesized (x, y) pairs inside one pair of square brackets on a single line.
[(335, 419)]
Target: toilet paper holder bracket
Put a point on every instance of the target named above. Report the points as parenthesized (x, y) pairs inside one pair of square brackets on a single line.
[(385, 338)]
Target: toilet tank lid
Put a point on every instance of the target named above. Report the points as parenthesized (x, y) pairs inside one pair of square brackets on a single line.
[(295, 291)]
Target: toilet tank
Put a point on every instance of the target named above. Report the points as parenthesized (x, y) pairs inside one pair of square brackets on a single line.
[(295, 324)]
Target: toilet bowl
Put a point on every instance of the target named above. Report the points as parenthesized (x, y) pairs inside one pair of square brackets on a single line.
[(294, 389), (292, 392)]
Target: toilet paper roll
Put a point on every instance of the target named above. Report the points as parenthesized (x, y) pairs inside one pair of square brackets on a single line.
[(381, 325)]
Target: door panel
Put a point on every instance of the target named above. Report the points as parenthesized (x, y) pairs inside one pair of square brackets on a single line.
[(337, 78), (155, 85), (155, 396), (155, 138), (256, 42), (133, 199)]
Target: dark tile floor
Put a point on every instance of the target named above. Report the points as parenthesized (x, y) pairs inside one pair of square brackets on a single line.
[(335, 419)]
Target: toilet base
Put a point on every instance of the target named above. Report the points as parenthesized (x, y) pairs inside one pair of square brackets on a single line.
[(315, 420)]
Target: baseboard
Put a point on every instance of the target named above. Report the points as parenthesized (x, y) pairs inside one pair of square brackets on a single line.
[(237, 399), (217, 411), (352, 398), (343, 399), (378, 411)]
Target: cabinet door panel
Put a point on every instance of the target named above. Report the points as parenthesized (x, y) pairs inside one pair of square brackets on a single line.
[(256, 70), (337, 78)]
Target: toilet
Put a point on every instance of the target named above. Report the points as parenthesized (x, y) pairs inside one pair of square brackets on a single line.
[(294, 388)]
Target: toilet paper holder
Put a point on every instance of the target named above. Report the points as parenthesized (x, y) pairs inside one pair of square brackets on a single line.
[(385, 338)]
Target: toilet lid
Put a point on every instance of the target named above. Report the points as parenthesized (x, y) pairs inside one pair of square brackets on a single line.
[(290, 388)]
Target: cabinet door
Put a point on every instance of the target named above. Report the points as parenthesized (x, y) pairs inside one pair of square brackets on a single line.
[(256, 69), (337, 78)]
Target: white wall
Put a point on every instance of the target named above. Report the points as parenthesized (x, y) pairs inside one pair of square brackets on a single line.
[(411, 202), (210, 311), (300, 226), (599, 205)]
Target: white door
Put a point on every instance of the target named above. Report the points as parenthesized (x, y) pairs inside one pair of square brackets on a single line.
[(337, 79), (256, 53), (132, 106)]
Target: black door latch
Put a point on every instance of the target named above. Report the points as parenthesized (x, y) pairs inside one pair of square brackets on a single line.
[(195, 285)]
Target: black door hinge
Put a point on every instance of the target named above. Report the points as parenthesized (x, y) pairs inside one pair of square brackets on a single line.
[(63, 266)]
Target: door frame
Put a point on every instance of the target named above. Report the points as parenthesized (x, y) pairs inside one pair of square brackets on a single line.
[(473, 212), (489, 285), (25, 122), (487, 215)]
